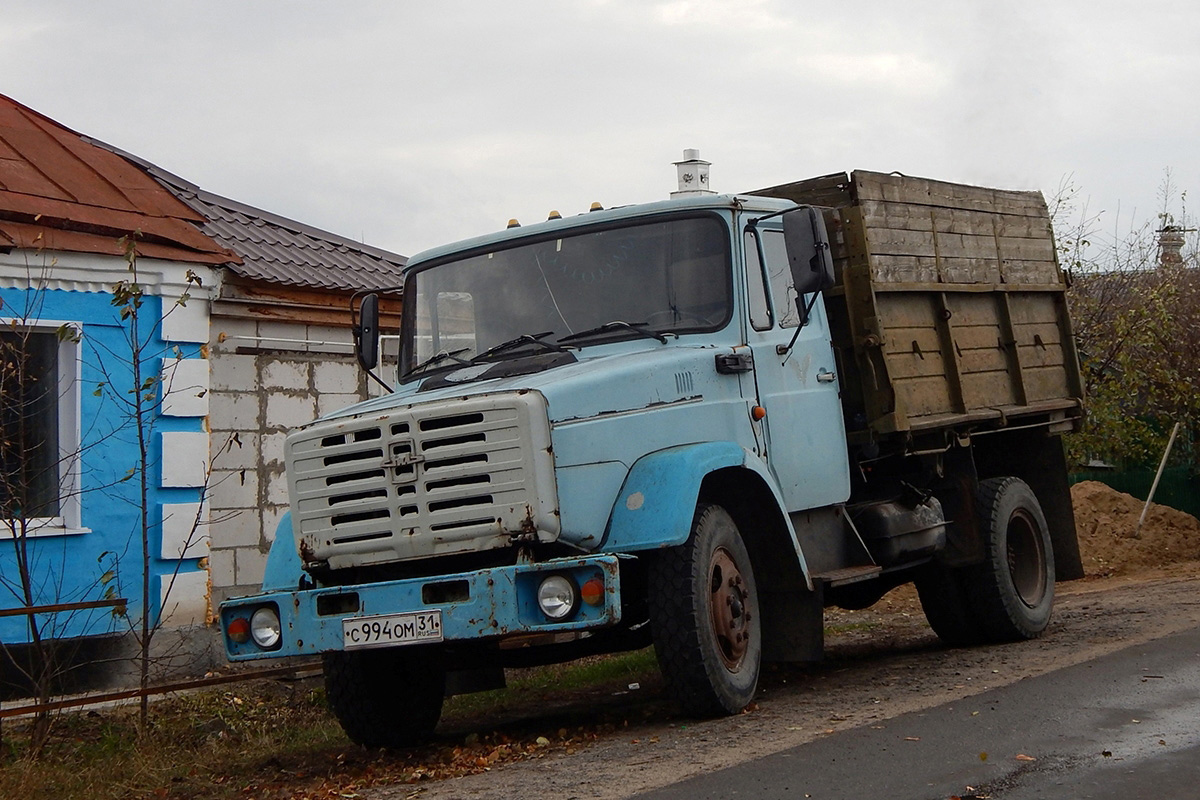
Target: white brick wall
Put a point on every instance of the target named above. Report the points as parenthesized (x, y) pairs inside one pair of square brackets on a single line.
[(251, 564), (285, 375), (289, 411), (234, 411), (236, 527), (272, 448), (327, 403), (260, 397), (277, 489), (234, 372), (234, 488), (221, 567), (239, 453), (333, 377)]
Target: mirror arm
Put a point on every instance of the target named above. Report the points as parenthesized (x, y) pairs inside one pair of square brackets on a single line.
[(371, 374), (805, 310), (754, 222)]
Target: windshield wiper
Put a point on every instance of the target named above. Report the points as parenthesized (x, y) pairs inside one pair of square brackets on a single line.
[(438, 358), (618, 324), (523, 339)]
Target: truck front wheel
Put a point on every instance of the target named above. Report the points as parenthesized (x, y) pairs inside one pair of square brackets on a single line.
[(705, 617), (385, 698), (1012, 592)]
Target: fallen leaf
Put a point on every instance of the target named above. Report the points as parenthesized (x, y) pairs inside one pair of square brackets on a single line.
[(983, 756), (1023, 757)]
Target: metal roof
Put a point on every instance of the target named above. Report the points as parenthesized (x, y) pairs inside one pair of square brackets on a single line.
[(282, 251), (276, 249), (60, 191)]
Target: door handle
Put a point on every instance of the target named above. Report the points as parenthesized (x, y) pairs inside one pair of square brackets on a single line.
[(824, 376)]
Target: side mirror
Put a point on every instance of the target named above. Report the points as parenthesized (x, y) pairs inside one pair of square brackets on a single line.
[(808, 251), (366, 330)]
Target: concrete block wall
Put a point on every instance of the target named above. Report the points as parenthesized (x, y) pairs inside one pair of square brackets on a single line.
[(288, 374)]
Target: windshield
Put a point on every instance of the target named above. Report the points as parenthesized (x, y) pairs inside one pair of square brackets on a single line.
[(666, 276)]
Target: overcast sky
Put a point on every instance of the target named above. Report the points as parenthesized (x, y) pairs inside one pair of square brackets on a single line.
[(410, 124)]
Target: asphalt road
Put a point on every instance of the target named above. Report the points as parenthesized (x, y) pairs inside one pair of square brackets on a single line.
[(1125, 725)]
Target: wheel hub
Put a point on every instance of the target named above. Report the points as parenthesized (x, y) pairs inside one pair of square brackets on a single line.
[(1026, 559), (729, 611)]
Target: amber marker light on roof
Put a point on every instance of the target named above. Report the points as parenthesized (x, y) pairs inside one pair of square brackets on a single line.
[(596, 207), (554, 215), (512, 223)]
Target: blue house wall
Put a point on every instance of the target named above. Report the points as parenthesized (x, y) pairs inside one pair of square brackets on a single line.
[(103, 555)]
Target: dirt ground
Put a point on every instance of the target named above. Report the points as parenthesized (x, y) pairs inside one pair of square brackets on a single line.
[(880, 663)]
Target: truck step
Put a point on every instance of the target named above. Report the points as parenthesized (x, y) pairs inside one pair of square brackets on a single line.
[(841, 577)]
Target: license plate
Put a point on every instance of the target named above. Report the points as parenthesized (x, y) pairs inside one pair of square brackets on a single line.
[(388, 630)]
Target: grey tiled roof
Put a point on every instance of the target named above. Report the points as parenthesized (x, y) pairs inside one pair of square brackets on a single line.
[(282, 251), (276, 249)]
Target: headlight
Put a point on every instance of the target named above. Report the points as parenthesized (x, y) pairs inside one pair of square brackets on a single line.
[(264, 627), (557, 597)]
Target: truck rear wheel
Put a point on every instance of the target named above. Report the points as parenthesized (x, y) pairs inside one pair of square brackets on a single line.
[(385, 698), (705, 618), (1012, 591)]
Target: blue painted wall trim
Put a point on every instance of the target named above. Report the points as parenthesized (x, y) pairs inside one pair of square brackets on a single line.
[(83, 566)]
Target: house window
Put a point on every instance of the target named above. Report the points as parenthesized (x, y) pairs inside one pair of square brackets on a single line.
[(39, 426)]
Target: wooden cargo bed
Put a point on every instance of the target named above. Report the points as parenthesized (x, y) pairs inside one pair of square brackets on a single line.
[(949, 310)]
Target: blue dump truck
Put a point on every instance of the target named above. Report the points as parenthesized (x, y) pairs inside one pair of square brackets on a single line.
[(693, 423)]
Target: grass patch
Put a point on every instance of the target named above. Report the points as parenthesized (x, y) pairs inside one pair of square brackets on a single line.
[(210, 744), (852, 627), (526, 685), (269, 739)]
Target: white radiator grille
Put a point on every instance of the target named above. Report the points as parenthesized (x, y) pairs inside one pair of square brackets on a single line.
[(425, 480)]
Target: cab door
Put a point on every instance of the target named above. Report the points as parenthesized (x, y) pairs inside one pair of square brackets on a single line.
[(798, 385)]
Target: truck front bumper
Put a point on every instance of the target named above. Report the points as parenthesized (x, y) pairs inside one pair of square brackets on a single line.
[(488, 603)]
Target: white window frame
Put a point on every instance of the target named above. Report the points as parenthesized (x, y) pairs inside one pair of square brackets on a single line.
[(69, 519)]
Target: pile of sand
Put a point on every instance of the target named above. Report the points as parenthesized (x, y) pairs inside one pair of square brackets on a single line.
[(1109, 539)]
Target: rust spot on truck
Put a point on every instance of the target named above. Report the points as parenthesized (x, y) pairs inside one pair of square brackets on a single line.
[(527, 525), (307, 556)]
